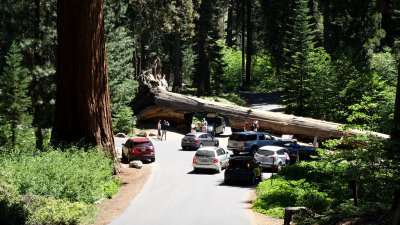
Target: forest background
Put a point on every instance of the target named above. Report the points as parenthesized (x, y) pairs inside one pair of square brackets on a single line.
[(331, 60)]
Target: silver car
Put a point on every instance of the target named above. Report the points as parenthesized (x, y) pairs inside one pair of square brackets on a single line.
[(197, 140), (271, 157), (214, 158)]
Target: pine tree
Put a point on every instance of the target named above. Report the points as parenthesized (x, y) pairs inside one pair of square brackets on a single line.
[(298, 45), (14, 98)]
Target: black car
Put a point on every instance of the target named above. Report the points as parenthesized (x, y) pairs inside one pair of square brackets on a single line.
[(215, 125), (305, 152), (197, 140), (243, 168)]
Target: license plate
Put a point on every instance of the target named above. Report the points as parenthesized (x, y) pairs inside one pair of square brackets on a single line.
[(203, 160), (143, 149)]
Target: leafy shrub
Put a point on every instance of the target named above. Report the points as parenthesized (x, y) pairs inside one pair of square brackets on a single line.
[(318, 202), (58, 211), (75, 174), (12, 209)]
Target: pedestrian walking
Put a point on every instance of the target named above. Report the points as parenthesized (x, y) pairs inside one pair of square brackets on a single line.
[(159, 129), (296, 149), (164, 127)]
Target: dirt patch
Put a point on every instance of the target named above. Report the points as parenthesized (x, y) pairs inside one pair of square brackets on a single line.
[(259, 218), (132, 182)]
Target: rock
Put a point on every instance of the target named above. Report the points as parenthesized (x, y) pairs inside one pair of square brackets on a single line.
[(136, 164), (121, 135)]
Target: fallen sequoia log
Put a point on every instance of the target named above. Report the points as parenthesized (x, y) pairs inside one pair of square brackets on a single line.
[(154, 102)]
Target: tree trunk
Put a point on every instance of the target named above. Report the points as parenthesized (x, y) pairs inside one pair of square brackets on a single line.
[(83, 100), (249, 43), (243, 13), (229, 25), (154, 102)]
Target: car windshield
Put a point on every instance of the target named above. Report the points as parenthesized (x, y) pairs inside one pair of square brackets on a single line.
[(142, 144), (237, 137), (205, 153), (265, 152)]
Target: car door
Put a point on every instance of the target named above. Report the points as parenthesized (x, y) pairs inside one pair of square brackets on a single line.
[(224, 157), (203, 139), (269, 140), (282, 156), (261, 140)]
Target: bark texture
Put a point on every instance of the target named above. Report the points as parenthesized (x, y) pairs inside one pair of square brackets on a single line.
[(83, 100), (154, 102)]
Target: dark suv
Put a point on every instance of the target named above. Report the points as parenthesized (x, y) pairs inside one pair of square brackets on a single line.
[(249, 142), (215, 125), (243, 168)]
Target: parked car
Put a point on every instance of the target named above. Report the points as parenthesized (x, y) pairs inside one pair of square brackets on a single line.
[(214, 158), (138, 149), (271, 157), (304, 151), (215, 125), (197, 140), (242, 168), (249, 141)]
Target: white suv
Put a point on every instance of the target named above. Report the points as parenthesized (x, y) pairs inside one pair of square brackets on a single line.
[(214, 158), (271, 157)]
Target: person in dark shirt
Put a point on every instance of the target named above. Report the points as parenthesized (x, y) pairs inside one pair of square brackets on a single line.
[(164, 126)]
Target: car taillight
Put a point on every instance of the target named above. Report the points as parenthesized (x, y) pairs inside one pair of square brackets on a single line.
[(194, 159), (248, 166), (197, 140), (244, 144), (227, 165), (150, 147), (215, 160)]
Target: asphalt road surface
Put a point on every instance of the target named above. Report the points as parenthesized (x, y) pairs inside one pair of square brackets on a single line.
[(263, 101), (175, 195)]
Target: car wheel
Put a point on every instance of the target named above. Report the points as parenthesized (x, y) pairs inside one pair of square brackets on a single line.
[(153, 159), (235, 152), (279, 167), (226, 181), (219, 168), (254, 150), (260, 178), (195, 170)]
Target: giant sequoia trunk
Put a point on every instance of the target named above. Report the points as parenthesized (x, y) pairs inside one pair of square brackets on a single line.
[(83, 101), (154, 102)]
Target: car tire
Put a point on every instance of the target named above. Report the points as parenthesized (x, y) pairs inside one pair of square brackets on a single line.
[(226, 181), (279, 167), (254, 150), (195, 170), (153, 159), (235, 153), (260, 178)]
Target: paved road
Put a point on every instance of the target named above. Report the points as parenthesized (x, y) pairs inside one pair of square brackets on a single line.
[(175, 195), (263, 101)]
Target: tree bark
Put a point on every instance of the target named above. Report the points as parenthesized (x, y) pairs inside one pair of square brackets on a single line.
[(177, 63), (154, 102), (243, 13), (229, 25), (82, 101), (249, 43)]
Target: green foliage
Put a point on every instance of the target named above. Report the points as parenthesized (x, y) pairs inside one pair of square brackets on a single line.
[(323, 185), (122, 121), (73, 174), (12, 208), (43, 210), (14, 99)]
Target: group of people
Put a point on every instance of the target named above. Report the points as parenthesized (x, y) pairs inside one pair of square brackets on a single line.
[(162, 126), (201, 126), (253, 126)]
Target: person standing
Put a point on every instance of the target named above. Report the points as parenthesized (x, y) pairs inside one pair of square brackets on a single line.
[(159, 129), (244, 126), (296, 149), (204, 125), (255, 125), (164, 127)]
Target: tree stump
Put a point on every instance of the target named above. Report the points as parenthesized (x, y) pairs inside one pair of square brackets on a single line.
[(290, 211)]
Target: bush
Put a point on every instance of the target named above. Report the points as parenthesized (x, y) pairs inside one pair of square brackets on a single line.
[(75, 174), (58, 211), (12, 209)]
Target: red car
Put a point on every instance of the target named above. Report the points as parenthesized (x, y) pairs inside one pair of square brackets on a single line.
[(138, 149)]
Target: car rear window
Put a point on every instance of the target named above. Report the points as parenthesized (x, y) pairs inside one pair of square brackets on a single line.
[(265, 152), (189, 136), (142, 144), (237, 165), (237, 137), (205, 153)]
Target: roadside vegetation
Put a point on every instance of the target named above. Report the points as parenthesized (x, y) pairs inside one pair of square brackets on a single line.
[(53, 186), (323, 185)]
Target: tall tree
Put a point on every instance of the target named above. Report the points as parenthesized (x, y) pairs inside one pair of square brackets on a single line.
[(83, 100), (249, 49), (299, 43), (14, 99)]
